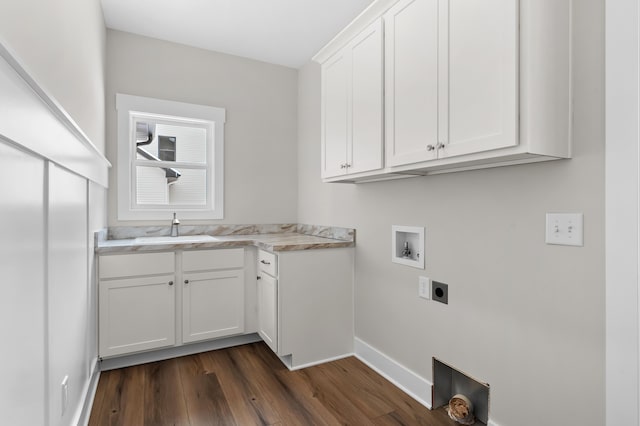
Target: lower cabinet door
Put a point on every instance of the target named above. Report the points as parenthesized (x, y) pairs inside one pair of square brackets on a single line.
[(136, 314), (212, 304), (268, 310)]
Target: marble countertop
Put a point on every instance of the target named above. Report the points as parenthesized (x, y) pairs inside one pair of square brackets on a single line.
[(293, 238)]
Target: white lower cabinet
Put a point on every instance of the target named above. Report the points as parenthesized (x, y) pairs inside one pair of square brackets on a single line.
[(144, 299), (136, 314), (213, 300), (305, 304), (268, 310)]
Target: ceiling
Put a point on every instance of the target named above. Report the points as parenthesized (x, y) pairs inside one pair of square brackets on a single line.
[(283, 32)]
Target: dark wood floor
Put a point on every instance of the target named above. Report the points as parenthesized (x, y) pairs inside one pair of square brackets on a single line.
[(248, 385)]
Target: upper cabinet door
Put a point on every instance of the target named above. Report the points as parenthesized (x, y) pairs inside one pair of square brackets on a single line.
[(482, 60), (366, 51), (335, 120), (411, 58)]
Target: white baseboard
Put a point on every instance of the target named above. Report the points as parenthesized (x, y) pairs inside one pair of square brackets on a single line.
[(89, 395), (409, 382), (311, 364)]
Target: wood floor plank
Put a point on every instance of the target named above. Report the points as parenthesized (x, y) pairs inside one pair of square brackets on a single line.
[(204, 398), (239, 391), (403, 406), (123, 398), (271, 390), (294, 386), (362, 393), (333, 398), (248, 385), (164, 402)]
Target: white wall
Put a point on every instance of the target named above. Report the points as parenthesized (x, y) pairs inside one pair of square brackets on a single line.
[(260, 131), (526, 317), (62, 46), (67, 292), (22, 305)]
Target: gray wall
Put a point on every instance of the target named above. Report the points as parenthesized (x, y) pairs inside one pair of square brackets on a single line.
[(260, 132), (526, 317)]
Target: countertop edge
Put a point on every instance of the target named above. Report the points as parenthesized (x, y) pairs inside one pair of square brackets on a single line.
[(130, 246)]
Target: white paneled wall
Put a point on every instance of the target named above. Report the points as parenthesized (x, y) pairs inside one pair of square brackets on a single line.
[(22, 305), (67, 291), (53, 198)]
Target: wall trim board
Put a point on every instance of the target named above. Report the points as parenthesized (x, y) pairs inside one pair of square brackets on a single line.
[(57, 137), (314, 363), (89, 394), (622, 212), (409, 382)]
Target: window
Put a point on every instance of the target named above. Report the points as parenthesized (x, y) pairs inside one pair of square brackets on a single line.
[(170, 159)]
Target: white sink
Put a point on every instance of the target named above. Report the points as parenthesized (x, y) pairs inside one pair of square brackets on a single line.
[(180, 239)]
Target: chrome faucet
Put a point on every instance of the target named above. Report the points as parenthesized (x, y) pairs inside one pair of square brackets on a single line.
[(175, 223)]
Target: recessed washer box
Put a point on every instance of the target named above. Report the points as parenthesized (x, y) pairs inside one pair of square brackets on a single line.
[(407, 245)]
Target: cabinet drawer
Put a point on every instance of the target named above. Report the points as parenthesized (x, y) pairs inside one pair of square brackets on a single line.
[(204, 260), (130, 265), (268, 262)]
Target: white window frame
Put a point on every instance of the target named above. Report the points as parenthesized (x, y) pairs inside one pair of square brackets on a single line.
[(213, 118)]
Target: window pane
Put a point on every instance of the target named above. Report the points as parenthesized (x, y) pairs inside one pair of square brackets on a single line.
[(151, 186), (166, 142), (190, 188), (171, 186)]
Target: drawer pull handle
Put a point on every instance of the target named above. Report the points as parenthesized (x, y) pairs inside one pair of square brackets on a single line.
[(186, 281), (264, 262), (170, 282)]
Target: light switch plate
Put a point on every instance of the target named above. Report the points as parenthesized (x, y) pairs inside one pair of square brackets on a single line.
[(564, 229)]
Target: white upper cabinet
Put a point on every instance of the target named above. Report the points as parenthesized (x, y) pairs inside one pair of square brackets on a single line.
[(411, 82), (335, 111), (451, 86), (352, 102), (479, 105), (467, 85)]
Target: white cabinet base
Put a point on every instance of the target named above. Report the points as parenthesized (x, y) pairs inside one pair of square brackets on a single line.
[(315, 305), (161, 299)]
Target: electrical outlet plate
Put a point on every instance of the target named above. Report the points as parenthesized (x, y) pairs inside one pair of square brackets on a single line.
[(424, 287), (564, 229), (64, 393), (440, 292)]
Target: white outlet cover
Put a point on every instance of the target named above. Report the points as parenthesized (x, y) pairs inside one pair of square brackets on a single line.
[(424, 287), (64, 394), (565, 229)]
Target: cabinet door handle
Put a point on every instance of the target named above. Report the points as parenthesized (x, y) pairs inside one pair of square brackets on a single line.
[(186, 281), (264, 262), (440, 145), (258, 277), (347, 165), (343, 166), (430, 147), (170, 282)]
